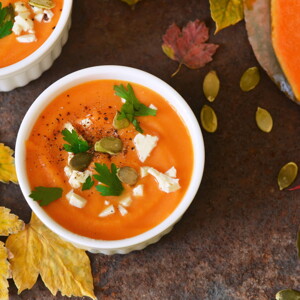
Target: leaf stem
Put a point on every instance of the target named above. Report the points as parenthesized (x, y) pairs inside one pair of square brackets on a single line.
[(178, 69)]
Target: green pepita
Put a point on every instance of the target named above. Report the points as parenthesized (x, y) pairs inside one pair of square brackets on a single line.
[(287, 175), (288, 295), (211, 86), (128, 175), (264, 120), (120, 124), (110, 145), (47, 4), (81, 161), (208, 119), (250, 79)]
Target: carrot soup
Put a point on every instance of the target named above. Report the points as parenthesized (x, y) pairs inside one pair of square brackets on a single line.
[(109, 159), (27, 24)]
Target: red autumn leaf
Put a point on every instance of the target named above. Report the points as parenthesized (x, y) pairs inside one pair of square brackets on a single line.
[(188, 46)]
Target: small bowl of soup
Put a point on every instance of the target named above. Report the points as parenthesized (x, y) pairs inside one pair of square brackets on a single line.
[(109, 158), (32, 36)]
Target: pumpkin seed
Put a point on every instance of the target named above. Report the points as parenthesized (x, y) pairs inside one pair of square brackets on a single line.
[(287, 175), (81, 161), (211, 86), (288, 295), (264, 120), (47, 4), (128, 175), (250, 79), (109, 144), (120, 124), (208, 119)]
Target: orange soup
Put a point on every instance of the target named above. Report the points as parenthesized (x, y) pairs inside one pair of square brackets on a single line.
[(161, 157), (29, 33)]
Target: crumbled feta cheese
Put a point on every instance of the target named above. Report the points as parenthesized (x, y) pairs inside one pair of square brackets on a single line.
[(123, 100), (152, 106), (172, 172), (68, 171), (48, 15), (123, 211), (144, 171), (17, 29), (77, 178), (86, 122), (37, 10), (26, 38), (39, 17), (166, 183), (69, 126), (138, 190), (70, 156), (76, 200), (144, 144), (107, 211), (20, 7), (106, 202), (126, 201)]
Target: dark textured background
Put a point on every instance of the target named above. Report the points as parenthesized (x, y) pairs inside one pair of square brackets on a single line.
[(237, 240)]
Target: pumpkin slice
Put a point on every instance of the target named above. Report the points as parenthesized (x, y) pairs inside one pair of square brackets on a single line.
[(286, 39), (258, 25)]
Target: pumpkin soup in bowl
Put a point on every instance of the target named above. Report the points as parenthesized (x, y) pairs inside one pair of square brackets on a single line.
[(109, 158), (32, 33)]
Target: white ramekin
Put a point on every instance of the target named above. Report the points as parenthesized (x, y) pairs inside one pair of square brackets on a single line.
[(119, 73), (32, 66)]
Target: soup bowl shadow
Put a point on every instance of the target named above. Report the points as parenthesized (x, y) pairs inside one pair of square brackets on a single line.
[(125, 74)]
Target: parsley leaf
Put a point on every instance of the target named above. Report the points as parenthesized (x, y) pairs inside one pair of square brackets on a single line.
[(77, 145), (6, 20), (113, 186), (132, 107), (46, 195), (88, 184)]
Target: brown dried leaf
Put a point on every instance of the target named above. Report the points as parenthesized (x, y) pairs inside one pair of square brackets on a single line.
[(37, 250), (189, 46)]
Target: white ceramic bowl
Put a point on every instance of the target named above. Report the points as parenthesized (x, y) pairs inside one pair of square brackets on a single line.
[(32, 66), (126, 74)]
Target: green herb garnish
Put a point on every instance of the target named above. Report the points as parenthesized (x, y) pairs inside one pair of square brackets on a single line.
[(77, 145), (88, 184), (132, 107), (6, 20), (113, 185), (46, 195)]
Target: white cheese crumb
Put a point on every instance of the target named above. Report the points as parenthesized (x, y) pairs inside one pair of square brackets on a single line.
[(20, 7), (69, 126), (166, 183), (37, 10), (107, 211), (123, 211), (123, 100), (77, 178), (138, 190), (26, 38), (70, 156), (126, 201), (106, 202), (144, 144), (76, 200), (86, 122), (68, 171), (144, 171), (172, 172), (49, 15), (152, 106), (39, 17)]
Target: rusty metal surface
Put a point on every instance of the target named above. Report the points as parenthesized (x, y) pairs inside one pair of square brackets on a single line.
[(237, 240)]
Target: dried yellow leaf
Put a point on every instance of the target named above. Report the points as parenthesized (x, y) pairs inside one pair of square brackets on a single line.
[(4, 272), (9, 223), (226, 12), (7, 165), (131, 2), (37, 250)]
